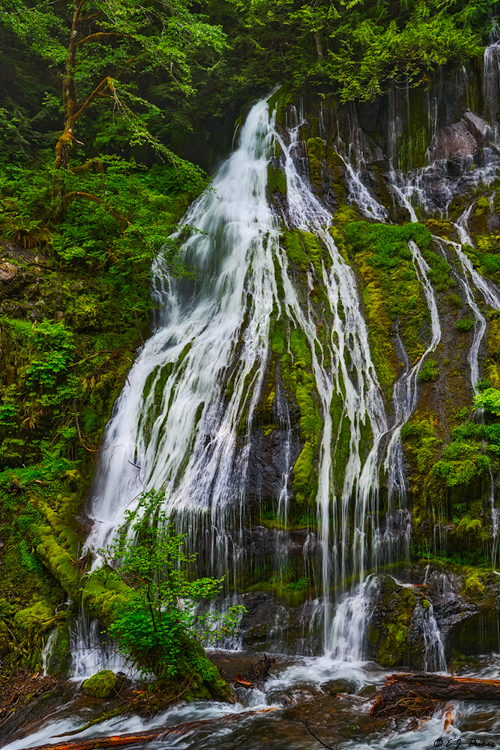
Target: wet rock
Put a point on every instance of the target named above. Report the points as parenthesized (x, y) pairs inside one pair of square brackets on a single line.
[(452, 142), (465, 604), (396, 524), (294, 695), (478, 128), (269, 460), (101, 685), (338, 686), (368, 691), (390, 622), (263, 617), (8, 271), (477, 635)]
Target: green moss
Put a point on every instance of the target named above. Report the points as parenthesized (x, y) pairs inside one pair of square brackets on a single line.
[(304, 248), (441, 227), (473, 587), (304, 479), (278, 337), (429, 371), (344, 215), (276, 180), (482, 206), (456, 300), (295, 249), (465, 324), (316, 153), (35, 619), (471, 530), (101, 685), (392, 292)]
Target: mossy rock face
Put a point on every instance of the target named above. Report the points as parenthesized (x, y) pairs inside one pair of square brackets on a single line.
[(368, 691), (32, 620), (388, 632), (474, 636), (101, 685)]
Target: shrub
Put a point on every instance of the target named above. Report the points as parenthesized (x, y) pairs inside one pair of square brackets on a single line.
[(465, 324), (158, 627), (429, 371)]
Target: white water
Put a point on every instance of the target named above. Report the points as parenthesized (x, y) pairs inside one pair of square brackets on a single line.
[(91, 652), (434, 658), (189, 447)]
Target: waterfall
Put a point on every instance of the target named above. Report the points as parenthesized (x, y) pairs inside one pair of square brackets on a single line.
[(90, 652), (184, 421), (175, 427), (174, 419), (491, 81)]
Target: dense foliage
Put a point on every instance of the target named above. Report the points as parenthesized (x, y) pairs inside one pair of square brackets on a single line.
[(357, 47)]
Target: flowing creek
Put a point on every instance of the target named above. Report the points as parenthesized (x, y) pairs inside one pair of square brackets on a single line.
[(176, 428)]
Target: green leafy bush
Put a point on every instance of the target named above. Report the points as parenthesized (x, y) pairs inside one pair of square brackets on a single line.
[(429, 371), (456, 300), (159, 624), (465, 324), (488, 400)]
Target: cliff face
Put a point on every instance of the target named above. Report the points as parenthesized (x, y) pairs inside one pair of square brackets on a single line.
[(426, 156), (342, 439)]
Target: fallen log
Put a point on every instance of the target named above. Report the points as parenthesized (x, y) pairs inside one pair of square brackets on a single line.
[(420, 694), (142, 738)]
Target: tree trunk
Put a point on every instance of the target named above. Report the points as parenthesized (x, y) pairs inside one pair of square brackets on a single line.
[(418, 694), (67, 137), (319, 46)]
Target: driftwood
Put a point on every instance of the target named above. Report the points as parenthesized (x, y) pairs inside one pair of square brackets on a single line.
[(420, 694), (141, 738)]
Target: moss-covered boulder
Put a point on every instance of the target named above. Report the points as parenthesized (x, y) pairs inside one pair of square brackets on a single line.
[(101, 685), (388, 632)]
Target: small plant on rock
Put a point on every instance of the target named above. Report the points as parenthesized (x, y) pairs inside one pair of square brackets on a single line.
[(429, 371)]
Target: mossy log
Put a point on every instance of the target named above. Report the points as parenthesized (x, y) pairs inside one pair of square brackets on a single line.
[(140, 738), (407, 693)]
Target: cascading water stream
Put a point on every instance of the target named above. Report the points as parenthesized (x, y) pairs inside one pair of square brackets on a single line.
[(406, 388), (489, 292), (187, 446), (90, 653), (218, 329)]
